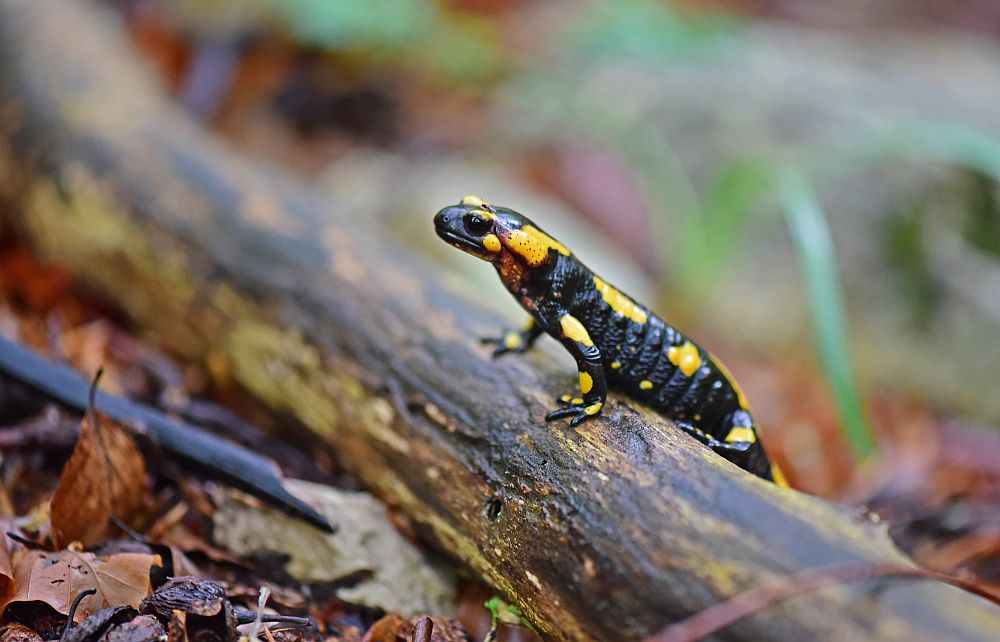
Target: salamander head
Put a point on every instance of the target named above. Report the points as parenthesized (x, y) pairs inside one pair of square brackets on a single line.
[(486, 231), (472, 227)]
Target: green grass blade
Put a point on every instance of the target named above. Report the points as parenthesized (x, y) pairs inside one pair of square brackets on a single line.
[(816, 255)]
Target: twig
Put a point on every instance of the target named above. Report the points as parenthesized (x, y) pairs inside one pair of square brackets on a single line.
[(73, 607), (718, 616), (214, 457), (92, 396), (246, 616), (258, 622), (422, 630)]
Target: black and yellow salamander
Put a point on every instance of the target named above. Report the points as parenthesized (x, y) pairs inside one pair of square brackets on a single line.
[(616, 342)]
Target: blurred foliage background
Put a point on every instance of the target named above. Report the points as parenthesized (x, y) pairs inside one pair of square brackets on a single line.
[(809, 189)]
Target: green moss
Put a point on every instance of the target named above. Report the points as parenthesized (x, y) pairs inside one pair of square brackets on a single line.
[(279, 367), (75, 220)]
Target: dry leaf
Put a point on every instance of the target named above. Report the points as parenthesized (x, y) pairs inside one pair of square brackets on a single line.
[(367, 544), (16, 632), (104, 477), (143, 627), (57, 578), (7, 583), (392, 628)]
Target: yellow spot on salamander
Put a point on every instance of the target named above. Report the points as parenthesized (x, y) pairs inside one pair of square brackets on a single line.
[(574, 330), (645, 384), (619, 302), (565, 398), (577, 401), (586, 382), (533, 245), (616, 364), (512, 340), (741, 434), (491, 243), (685, 357), (594, 408), (472, 200)]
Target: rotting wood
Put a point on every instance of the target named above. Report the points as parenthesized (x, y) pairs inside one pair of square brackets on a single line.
[(608, 532)]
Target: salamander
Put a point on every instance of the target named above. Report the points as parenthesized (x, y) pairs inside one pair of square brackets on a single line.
[(617, 343)]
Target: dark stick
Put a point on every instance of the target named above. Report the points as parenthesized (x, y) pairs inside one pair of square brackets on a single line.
[(423, 629), (197, 450), (76, 604)]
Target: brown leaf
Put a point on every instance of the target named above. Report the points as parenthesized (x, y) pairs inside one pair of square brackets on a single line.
[(7, 583), (104, 477), (389, 629), (57, 578), (177, 627), (392, 628), (16, 632), (143, 627)]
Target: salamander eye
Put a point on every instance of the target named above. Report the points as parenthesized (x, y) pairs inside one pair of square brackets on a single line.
[(477, 225)]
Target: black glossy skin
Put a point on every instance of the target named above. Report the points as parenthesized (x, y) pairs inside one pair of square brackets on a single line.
[(705, 404)]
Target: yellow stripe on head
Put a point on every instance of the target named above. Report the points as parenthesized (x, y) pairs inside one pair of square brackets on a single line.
[(472, 200), (533, 245), (491, 243)]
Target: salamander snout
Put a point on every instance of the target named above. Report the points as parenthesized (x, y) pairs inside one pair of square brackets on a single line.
[(469, 227)]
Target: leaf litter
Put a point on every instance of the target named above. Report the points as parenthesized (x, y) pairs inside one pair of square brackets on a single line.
[(105, 477), (57, 578)]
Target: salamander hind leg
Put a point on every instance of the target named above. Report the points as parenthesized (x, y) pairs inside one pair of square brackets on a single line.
[(740, 445)]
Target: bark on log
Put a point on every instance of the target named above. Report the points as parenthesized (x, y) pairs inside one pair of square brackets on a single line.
[(607, 532)]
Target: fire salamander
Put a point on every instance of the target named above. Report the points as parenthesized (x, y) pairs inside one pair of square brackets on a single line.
[(615, 341)]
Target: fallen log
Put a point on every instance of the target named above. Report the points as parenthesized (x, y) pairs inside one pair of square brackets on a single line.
[(607, 532)]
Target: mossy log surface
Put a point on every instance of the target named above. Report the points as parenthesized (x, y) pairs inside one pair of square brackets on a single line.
[(607, 532)]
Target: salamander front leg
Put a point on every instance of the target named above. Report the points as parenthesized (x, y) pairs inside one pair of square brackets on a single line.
[(516, 340), (593, 388)]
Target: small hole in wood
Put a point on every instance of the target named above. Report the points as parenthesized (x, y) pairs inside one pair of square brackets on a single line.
[(493, 508)]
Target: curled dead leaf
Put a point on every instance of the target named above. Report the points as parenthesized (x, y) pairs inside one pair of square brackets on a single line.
[(194, 609), (57, 578), (105, 477)]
